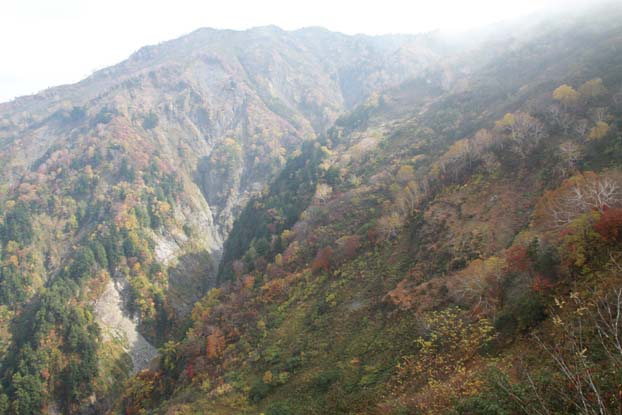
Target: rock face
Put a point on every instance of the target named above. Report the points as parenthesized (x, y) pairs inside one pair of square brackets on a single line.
[(116, 325)]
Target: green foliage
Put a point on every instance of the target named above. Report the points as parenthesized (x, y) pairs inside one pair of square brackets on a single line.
[(83, 265), (521, 314), (259, 391), (17, 225), (29, 394), (280, 408), (288, 196), (77, 114), (150, 121), (104, 116)]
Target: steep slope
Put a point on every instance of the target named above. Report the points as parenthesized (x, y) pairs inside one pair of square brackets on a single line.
[(450, 246), (133, 177)]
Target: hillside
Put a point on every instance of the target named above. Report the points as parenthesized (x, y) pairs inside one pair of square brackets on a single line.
[(118, 192), (441, 249), (307, 223)]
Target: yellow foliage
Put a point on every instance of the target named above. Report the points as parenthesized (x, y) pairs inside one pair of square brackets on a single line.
[(566, 95), (164, 208), (592, 88), (443, 368), (405, 174), (599, 131), (507, 121), (13, 260)]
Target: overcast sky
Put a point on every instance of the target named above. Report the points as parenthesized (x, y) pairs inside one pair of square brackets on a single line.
[(44, 43)]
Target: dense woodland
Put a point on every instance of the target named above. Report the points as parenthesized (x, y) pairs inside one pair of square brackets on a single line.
[(445, 242)]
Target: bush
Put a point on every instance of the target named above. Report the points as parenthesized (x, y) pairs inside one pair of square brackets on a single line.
[(258, 391), (325, 380), (279, 408), (526, 312)]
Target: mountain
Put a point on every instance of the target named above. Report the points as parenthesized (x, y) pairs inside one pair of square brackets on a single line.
[(307, 222), (120, 190)]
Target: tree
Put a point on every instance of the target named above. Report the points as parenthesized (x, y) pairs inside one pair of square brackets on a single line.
[(388, 225), (566, 95), (83, 264), (448, 353), (150, 121), (580, 194), (570, 153), (480, 284), (17, 225), (525, 132), (560, 118), (581, 128), (215, 344), (322, 193), (29, 394), (322, 259), (600, 130), (408, 198), (592, 89), (609, 225)]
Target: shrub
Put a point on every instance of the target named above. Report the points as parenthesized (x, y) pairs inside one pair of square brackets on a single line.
[(526, 312)]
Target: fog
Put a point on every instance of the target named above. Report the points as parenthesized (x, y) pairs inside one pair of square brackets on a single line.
[(44, 43)]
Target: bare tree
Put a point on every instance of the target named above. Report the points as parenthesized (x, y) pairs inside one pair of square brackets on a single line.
[(570, 153), (581, 128), (560, 118), (600, 114), (590, 335), (526, 133), (582, 194)]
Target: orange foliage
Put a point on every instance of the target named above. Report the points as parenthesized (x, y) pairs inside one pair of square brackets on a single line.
[(273, 289), (215, 344), (401, 296), (322, 259), (248, 282)]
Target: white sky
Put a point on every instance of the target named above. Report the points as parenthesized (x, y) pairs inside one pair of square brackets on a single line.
[(44, 43)]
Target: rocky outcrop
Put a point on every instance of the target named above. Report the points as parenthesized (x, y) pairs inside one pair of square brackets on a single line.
[(117, 326)]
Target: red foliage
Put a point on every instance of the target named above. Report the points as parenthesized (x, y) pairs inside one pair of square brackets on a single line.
[(190, 371), (609, 226), (271, 227), (322, 259), (541, 284), (517, 259), (351, 245)]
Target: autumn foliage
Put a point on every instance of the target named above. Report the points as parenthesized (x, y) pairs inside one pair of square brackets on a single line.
[(609, 225), (322, 260)]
